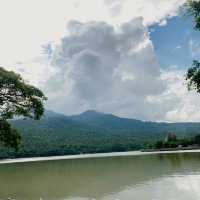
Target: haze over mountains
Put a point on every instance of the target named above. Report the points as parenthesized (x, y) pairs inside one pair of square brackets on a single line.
[(90, 132), (112, 122)]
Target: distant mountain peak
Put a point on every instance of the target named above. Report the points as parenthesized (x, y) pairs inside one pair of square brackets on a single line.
[(91, 112)]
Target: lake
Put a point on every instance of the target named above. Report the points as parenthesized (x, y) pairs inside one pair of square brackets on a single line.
[(146, 177)]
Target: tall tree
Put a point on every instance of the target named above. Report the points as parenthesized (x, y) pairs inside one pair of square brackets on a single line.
[(193, 8), (193, 73), (17, 98)]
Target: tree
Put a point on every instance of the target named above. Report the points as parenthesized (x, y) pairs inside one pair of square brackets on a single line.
[(193, 8), (159, 144), (193, 73), (9, 136), (197, 139), (17, 98), (193, 77)]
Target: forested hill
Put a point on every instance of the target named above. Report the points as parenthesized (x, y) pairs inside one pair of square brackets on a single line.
[(113, 122), (90, 132)]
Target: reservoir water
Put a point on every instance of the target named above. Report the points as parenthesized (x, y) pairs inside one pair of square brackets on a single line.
[(145, 177)]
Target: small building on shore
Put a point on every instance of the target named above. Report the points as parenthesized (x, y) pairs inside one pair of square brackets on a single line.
[(171, 137)]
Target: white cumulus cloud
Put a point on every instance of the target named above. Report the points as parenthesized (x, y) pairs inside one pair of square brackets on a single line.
[(104, 68)]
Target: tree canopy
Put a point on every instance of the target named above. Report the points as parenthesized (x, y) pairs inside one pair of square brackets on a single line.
[(193, 8), (193, 76), (193, 73), (17, 98)]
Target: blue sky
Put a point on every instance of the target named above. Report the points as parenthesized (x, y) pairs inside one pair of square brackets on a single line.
[(172, 42)]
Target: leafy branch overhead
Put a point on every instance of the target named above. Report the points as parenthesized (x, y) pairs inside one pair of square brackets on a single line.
[(193, 73), (193, 76), (17, 98), (193, 7)]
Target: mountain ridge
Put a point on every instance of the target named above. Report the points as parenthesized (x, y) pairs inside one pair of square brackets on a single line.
[(95, 112), (90, 132)]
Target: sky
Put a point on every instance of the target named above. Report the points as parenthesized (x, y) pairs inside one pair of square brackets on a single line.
[(125, 57)]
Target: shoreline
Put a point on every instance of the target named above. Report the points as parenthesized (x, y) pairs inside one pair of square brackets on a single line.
[(172, 149), (98, 155)]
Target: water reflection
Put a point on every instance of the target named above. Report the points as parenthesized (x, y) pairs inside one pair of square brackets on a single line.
[(167, 188), (138, 177)]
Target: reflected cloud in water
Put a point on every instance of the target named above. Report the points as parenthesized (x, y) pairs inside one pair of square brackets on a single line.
[(167, 188)]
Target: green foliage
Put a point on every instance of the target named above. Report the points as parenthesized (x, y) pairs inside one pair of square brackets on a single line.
[(159, 144), (197, 139), (193, 8), (171, 137), (9, 136), (163, 145), (183, 142), (57, 134), (193, 74), (193, 77), (17, 98)]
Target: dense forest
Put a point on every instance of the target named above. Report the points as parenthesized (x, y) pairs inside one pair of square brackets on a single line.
[(90, 132), (172, 141)]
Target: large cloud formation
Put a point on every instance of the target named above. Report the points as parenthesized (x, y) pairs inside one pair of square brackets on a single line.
[(115, 70), (105, 68)]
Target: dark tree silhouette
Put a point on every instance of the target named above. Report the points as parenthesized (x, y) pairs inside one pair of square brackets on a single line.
[(17, 98), (193, 77), (193, 73), (193, 8)]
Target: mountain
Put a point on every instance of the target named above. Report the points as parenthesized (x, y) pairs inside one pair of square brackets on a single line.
[(90, 132), (112, 122), (107, 120)]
